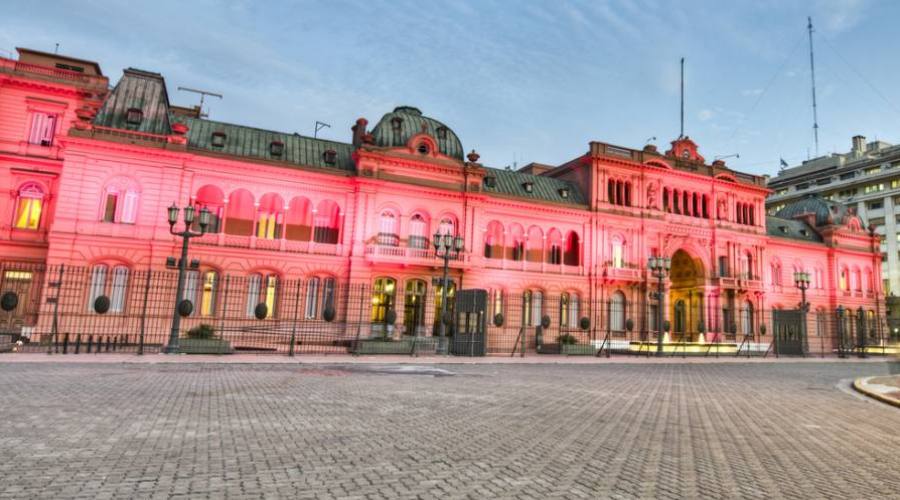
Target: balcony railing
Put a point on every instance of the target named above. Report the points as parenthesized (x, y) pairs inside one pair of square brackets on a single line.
[(55, 73), (275, 245), (531, 266), (622, 273), (409, 255)]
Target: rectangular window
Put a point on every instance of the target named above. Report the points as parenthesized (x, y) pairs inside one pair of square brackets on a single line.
[(781, 191), (875, 205), (43, 128), (823, 181), (28, 213), (208, 299), (877, 221), (848, 175), (874, 188), (119, 289), (801, 187), (328, 294), (872, 171), (312, 298), (98, 285), (129, 208), (723, 266)]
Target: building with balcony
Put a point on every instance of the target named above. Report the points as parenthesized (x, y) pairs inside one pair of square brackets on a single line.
[(90, 171)]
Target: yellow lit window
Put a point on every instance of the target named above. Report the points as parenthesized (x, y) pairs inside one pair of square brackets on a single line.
[(266, 228), (29, 206), (208, 295), (270, 295), (618, 259)]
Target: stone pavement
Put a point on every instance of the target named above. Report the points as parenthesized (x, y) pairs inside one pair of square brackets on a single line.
[(669, 430)]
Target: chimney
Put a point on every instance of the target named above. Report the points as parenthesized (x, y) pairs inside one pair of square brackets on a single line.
[(859, 145), (359, 130)]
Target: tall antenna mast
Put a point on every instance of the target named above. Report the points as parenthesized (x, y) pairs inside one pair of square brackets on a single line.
[(812, 67), (682, 99)]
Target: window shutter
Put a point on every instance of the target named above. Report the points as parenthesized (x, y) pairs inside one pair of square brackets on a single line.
[(190, 288), (129, 208), (119, 287), (253, 285), (98, 283), (48, 130)]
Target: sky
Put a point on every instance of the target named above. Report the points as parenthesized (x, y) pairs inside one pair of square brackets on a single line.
[(518, 81)]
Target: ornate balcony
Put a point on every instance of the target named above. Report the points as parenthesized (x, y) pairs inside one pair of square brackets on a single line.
[(626, 272), (531, 266), (741, 282), (410, 256)]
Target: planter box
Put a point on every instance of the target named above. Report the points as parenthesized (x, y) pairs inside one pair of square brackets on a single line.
[(426, 345), (204, 346), (578, 350)]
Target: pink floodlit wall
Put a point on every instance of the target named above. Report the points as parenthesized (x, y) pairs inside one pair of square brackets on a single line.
[(104, 201)]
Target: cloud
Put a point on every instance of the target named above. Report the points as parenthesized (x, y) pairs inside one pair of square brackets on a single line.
[(705, 114), (840, 15), (751, 92)]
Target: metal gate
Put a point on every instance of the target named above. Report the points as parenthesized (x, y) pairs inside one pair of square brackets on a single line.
[(468, 338), (789, 335)]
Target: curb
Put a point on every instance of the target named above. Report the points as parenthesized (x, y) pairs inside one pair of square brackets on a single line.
[(858, 386)]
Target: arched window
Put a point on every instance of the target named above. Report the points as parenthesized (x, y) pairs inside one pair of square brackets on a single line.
[(120, 204), (857, 280), (387, 229), (535, 246), (516, 249), (418, 232), (776, 273), (617, 312), (843, 279), (212, 199), (327, 222), (29, 206), (447, 226), (572, 255), (746, 266), (493, 240), (262, 289), (666, 205), (298, 220), (554, 247), (240, 213), (270, 217), (383, 292)]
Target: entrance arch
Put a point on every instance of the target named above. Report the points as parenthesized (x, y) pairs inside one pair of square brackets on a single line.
[(688, 280)]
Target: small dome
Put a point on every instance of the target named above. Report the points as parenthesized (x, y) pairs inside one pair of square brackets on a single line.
[(816, 205), (397, 127)]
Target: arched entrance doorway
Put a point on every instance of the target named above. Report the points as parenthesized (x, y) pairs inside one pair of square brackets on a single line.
[(686, 297)]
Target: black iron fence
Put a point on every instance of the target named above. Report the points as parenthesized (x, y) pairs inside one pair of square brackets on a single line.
[(69, 309)]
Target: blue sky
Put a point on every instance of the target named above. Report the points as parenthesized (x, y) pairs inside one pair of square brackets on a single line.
[(518, 81)]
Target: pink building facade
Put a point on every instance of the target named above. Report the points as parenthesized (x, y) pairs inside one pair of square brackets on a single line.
[(90, 171)]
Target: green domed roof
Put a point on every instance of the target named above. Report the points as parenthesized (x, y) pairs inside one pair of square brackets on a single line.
[(824, 210), (397, 127)]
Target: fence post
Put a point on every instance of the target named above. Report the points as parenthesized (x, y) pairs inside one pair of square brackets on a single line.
[(144, 313), (54, 330), (294, 324)]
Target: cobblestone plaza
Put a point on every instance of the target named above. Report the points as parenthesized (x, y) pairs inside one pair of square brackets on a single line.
[(444, 431)]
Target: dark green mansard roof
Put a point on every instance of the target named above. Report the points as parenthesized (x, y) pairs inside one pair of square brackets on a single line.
[(412, 122), (792, 229), (252, 142), (543, 188), (141, 90), (827, 212)]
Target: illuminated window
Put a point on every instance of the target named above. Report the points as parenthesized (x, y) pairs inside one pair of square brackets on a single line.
[(29, 207), (383, 293), (497, 302), (208, 294), (268, 226), (417, 232), (262, 290)]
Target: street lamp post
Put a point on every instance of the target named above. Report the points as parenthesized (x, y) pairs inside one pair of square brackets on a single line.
[(801, 281), (185, 235), (446, 247), (659, 266)]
